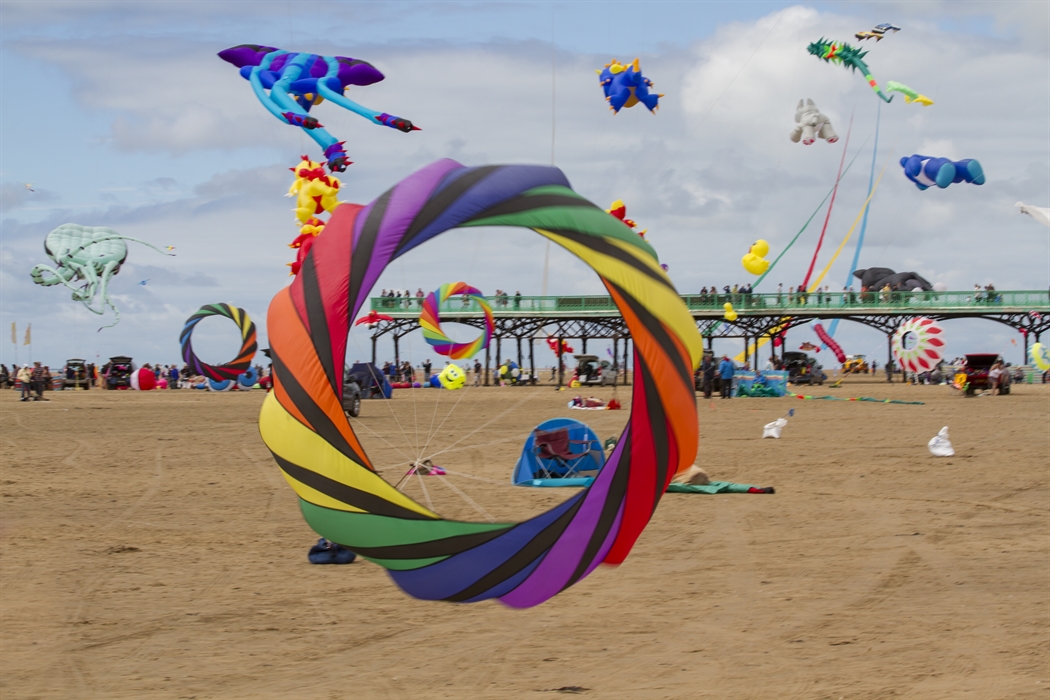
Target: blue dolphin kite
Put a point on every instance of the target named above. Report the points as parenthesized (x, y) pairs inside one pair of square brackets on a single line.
[(298, 81)]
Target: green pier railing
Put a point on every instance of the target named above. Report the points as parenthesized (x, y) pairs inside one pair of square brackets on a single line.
[(745, 304)]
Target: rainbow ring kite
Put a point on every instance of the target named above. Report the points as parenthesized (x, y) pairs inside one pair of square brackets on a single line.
[(918, 344), (430, 322), (345, 500), (231, 369)]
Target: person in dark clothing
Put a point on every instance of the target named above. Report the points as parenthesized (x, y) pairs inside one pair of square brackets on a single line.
[(37, 378), (707, 375)]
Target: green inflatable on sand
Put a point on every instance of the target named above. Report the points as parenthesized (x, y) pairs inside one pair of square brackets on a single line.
[(718, 487)]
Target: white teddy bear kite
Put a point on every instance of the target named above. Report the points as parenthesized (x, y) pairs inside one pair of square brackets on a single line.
[(811, 124)]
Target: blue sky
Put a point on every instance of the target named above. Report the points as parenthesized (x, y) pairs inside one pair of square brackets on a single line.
[(130, 121)]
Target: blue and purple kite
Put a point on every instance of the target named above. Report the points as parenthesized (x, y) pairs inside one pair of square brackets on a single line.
[(289, 84)]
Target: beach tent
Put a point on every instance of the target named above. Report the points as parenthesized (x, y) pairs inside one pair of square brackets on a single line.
[(559, 452)]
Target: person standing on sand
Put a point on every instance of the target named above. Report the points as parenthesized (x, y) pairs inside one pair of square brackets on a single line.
[(37, 381), (707, 375), (26, 378), (426, 372), (477, 372), (726, 370)]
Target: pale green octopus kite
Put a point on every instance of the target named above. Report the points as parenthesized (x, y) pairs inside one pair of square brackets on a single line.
[(85, 258)]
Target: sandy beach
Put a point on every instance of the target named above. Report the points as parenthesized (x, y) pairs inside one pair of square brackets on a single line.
[(150, 548)]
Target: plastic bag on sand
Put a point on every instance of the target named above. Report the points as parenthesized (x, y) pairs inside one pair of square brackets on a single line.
[(772, 430), (940, 445)]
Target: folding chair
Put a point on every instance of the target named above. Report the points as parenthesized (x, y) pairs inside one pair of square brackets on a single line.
[(556, 446)]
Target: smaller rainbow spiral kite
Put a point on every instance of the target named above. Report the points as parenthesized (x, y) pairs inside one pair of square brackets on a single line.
[(230, 370), (430, 322), (918, 344)]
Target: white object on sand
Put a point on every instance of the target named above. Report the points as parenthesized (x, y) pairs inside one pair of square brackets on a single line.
[(772, 430), (940, 445)]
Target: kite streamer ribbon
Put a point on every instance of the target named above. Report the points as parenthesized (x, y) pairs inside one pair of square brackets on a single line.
[(863, 209), (340, 494), (430, 322), (834, 191), (235, 367)]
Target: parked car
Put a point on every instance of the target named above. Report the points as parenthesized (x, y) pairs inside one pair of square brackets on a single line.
[(117, 372), (76, 375), (803, 369), (591, 370), (977, 368)]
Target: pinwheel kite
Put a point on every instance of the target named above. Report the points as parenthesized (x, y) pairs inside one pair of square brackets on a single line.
[(289, 83)]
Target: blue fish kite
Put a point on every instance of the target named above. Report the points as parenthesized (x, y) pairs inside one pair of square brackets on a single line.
[(288, 84), (927, 171)]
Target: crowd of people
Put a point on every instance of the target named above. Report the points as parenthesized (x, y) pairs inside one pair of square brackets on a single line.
[(34, 381), (741, 295)]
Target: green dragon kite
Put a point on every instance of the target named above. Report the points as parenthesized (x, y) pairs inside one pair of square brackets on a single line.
[(842, 53)]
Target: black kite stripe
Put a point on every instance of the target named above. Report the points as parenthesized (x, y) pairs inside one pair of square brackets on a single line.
[(438, 203), (318, 323), (524, 203), (599, 245), (445, 547), (346, 494), (366, 243), (320, 423), (522, 558), (613, 501)]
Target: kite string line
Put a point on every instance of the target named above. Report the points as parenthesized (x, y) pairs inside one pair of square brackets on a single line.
[(385, 400), (408, 338), (827, 218), (483, 425), (720, 96), (388, 443), (460, 449), (426, 493), (810, 219), (864, 223), (433, 431), (855, 222), (468, 499)]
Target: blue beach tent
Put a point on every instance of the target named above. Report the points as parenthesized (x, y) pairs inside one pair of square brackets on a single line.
[(559, 452)]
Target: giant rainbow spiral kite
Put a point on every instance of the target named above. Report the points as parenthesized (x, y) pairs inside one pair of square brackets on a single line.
[(235, 367), (341, 495), (430, 322)]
